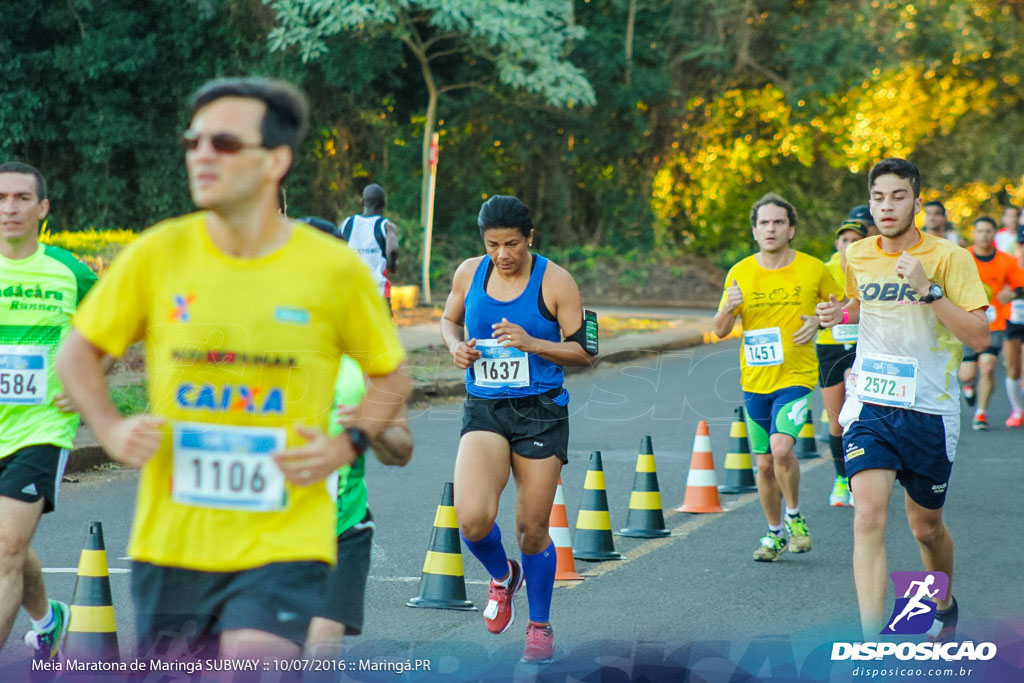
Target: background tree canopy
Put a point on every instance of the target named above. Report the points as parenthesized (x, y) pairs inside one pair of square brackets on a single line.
[(683, 111)]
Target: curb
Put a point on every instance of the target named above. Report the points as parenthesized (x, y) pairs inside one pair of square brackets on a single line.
[(623, 348)]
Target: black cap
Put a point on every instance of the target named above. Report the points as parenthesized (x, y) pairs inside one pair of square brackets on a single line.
[(321, 224), (856, 226), (861, 213)]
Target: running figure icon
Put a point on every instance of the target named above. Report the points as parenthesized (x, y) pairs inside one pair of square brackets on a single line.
[(915, 606)]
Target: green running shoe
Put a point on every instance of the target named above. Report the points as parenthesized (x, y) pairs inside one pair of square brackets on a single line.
[(840, 496), (772, 545), (799, 538), (47, 643)]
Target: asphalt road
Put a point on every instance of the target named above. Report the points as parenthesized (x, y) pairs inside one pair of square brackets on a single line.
[(694, 599)]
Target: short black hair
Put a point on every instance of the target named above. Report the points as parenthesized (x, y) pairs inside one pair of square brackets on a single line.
[(501, 211), (936, 202), (901, 168), (772, 198), (987, 219), (373, 197), (25, 169), (286, 119)]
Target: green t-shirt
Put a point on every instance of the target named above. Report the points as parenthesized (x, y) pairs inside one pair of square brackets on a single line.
[(38, 297), (349, 389)]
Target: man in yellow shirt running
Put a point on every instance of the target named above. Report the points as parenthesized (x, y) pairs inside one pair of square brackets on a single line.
[(917, 299), (245, 316), (774, 293)]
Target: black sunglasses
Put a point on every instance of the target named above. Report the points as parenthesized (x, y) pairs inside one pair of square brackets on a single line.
[(225, 143)]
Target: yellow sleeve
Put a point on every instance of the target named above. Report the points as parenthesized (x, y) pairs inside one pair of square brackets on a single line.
[(828, 285), (110, 318), (962, 283), (365, 328), (851, 280)]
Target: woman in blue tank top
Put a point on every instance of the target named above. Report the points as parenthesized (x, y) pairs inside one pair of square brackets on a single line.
[(512, 321)]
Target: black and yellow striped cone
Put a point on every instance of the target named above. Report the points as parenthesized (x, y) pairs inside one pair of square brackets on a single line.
[(442, 583), (92, 631), (594, 523), (824, 420), (806, 444), (645, 518), (739, 470)]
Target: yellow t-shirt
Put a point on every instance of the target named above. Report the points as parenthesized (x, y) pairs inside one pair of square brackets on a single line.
[(777, 298), (893, 322), (835, 269), (236, 343)]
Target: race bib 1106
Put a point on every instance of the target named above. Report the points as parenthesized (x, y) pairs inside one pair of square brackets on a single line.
[(229, 468)]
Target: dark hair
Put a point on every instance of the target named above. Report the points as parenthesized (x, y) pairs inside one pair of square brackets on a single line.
[(282, 200), (772, 198), (25, 169), (986, 219), (373, 197), (501, 211), (937, 203), (286, 119), (901, 168)]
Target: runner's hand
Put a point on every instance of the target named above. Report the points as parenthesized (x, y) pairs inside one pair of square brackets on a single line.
[(830, 313), (1006, 295), (134, 440), (509, 334), (734, 296), (910, 269), (343, 413), (465, 354), (807, 330), (314, 460), (65, 405)]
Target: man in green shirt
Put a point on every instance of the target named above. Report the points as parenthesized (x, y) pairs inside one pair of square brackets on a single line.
[(40, 289), (341, 612)]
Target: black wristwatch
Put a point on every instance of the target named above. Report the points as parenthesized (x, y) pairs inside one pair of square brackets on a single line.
[(359, 440), (934, 294)]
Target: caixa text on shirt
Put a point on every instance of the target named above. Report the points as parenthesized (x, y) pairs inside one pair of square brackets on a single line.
[(230, 398)]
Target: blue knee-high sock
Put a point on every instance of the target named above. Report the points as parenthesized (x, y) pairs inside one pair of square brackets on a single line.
[(539, 571), (490, 552)]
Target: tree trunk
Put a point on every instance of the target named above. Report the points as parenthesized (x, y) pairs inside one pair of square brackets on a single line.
[(630, 24), (428, 133)]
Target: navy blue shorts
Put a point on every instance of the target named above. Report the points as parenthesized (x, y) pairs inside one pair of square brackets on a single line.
[(919, 446)]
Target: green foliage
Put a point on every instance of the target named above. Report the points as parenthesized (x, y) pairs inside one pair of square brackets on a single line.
[(130, 399)]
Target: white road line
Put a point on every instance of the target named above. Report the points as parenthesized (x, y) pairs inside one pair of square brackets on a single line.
[(413, 579), (74, 570)]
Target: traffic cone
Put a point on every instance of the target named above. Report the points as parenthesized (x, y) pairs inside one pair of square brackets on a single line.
[(806, 445), (701, 490), (594, 523), (92, 630), (823, 419), (645, 518), (739, 473), (442, 583), (558, 529)]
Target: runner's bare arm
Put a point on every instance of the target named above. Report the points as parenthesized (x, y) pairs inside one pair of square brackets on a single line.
[(132, 440), (391, 245), (725, 319), (453, 326), (830, 313), (63, 401)]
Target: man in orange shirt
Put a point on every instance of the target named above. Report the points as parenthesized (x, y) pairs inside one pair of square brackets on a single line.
[(1004, 283)]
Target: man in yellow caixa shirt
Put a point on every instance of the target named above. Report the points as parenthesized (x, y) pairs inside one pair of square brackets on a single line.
[(774, 293), (245, 316)]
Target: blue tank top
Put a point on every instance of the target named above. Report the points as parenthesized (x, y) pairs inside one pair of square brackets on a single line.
[(483, 310)]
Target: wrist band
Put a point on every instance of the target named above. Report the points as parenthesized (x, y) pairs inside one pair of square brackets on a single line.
[(846, 316)]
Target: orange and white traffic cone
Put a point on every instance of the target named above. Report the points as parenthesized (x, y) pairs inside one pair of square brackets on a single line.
[(701, 482), (558, 529)]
